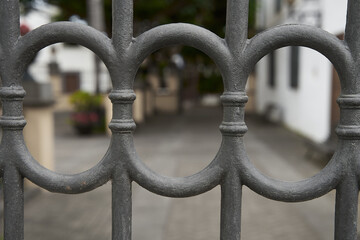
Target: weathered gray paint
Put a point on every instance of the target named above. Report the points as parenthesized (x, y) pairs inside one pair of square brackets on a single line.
[(231, 169)]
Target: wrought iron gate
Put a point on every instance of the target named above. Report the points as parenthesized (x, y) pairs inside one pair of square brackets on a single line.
[(231, 169)]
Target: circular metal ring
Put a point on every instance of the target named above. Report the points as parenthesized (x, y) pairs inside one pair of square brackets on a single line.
[(337, 53), (215, 48), (62, 183), (196, 184), (314, 187), (26, 48)]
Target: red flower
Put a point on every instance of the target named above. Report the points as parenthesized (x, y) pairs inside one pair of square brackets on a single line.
[(85, 118)]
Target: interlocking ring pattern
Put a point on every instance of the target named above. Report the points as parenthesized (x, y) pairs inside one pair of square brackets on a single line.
[(231, 168)]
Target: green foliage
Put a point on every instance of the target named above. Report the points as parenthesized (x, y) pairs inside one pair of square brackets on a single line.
[(210, 14), (210, 84), (84, 101), (252, 18), (26, 6)]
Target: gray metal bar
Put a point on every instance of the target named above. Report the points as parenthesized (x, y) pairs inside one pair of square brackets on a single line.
[(348, 131), (122, 36), (121, 205), (346, 209), (13, 204), (9, 34), (122, 28), (233, 129), (122, 126), (231, 193), (352, 33), (236, 25), (10, 24)]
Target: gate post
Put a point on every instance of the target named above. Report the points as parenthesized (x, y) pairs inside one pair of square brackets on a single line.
[(12, 122), (346, 209)]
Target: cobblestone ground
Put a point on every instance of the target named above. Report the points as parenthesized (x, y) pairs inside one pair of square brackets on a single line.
[(180, 146)]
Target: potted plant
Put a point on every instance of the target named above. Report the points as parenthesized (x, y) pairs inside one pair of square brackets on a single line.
[(86, 116)]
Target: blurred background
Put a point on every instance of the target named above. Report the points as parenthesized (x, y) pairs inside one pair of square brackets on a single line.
[(291, 115)]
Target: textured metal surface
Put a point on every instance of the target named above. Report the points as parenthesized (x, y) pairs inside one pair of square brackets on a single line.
[(235, 56)]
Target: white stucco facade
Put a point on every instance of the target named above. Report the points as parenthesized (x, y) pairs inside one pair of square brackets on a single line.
[(71, 59), (306, 108)]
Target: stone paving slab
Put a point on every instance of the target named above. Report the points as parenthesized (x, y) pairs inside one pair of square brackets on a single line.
[(180, 146)]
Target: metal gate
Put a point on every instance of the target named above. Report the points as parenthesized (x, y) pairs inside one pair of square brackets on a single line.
[(231, 169)]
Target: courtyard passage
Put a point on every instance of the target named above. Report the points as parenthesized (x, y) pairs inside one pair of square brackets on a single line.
[(181, 145)]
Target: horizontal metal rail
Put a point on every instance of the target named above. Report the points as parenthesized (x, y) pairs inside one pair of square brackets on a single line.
[(231, 169)]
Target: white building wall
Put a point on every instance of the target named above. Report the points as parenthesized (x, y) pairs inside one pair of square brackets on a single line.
[(306, 109), (262, 94), (268, 16), (78, 59), (334, 16)]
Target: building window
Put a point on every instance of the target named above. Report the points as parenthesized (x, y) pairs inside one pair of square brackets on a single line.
[(294, 66), (272, 67), (71, 82), (278, 4)]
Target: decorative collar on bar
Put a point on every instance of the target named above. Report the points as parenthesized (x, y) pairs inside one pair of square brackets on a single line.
[(122, 96), (122, 125), (12, 123), (237, 129), (234, 98), (15, 93), (349, 101)]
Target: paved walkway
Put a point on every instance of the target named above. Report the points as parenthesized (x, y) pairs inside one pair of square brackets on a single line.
[(180, 146)]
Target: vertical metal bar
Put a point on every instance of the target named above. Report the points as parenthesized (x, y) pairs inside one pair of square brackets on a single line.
[(122, 35), (10, 23), (237, 25), (122, 127), (122, 26), (121, 206), (12, 180), (9, 34), (233, 129), (13, 204), (352, 33), (346, 209), (231, 191), (352, 36)]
